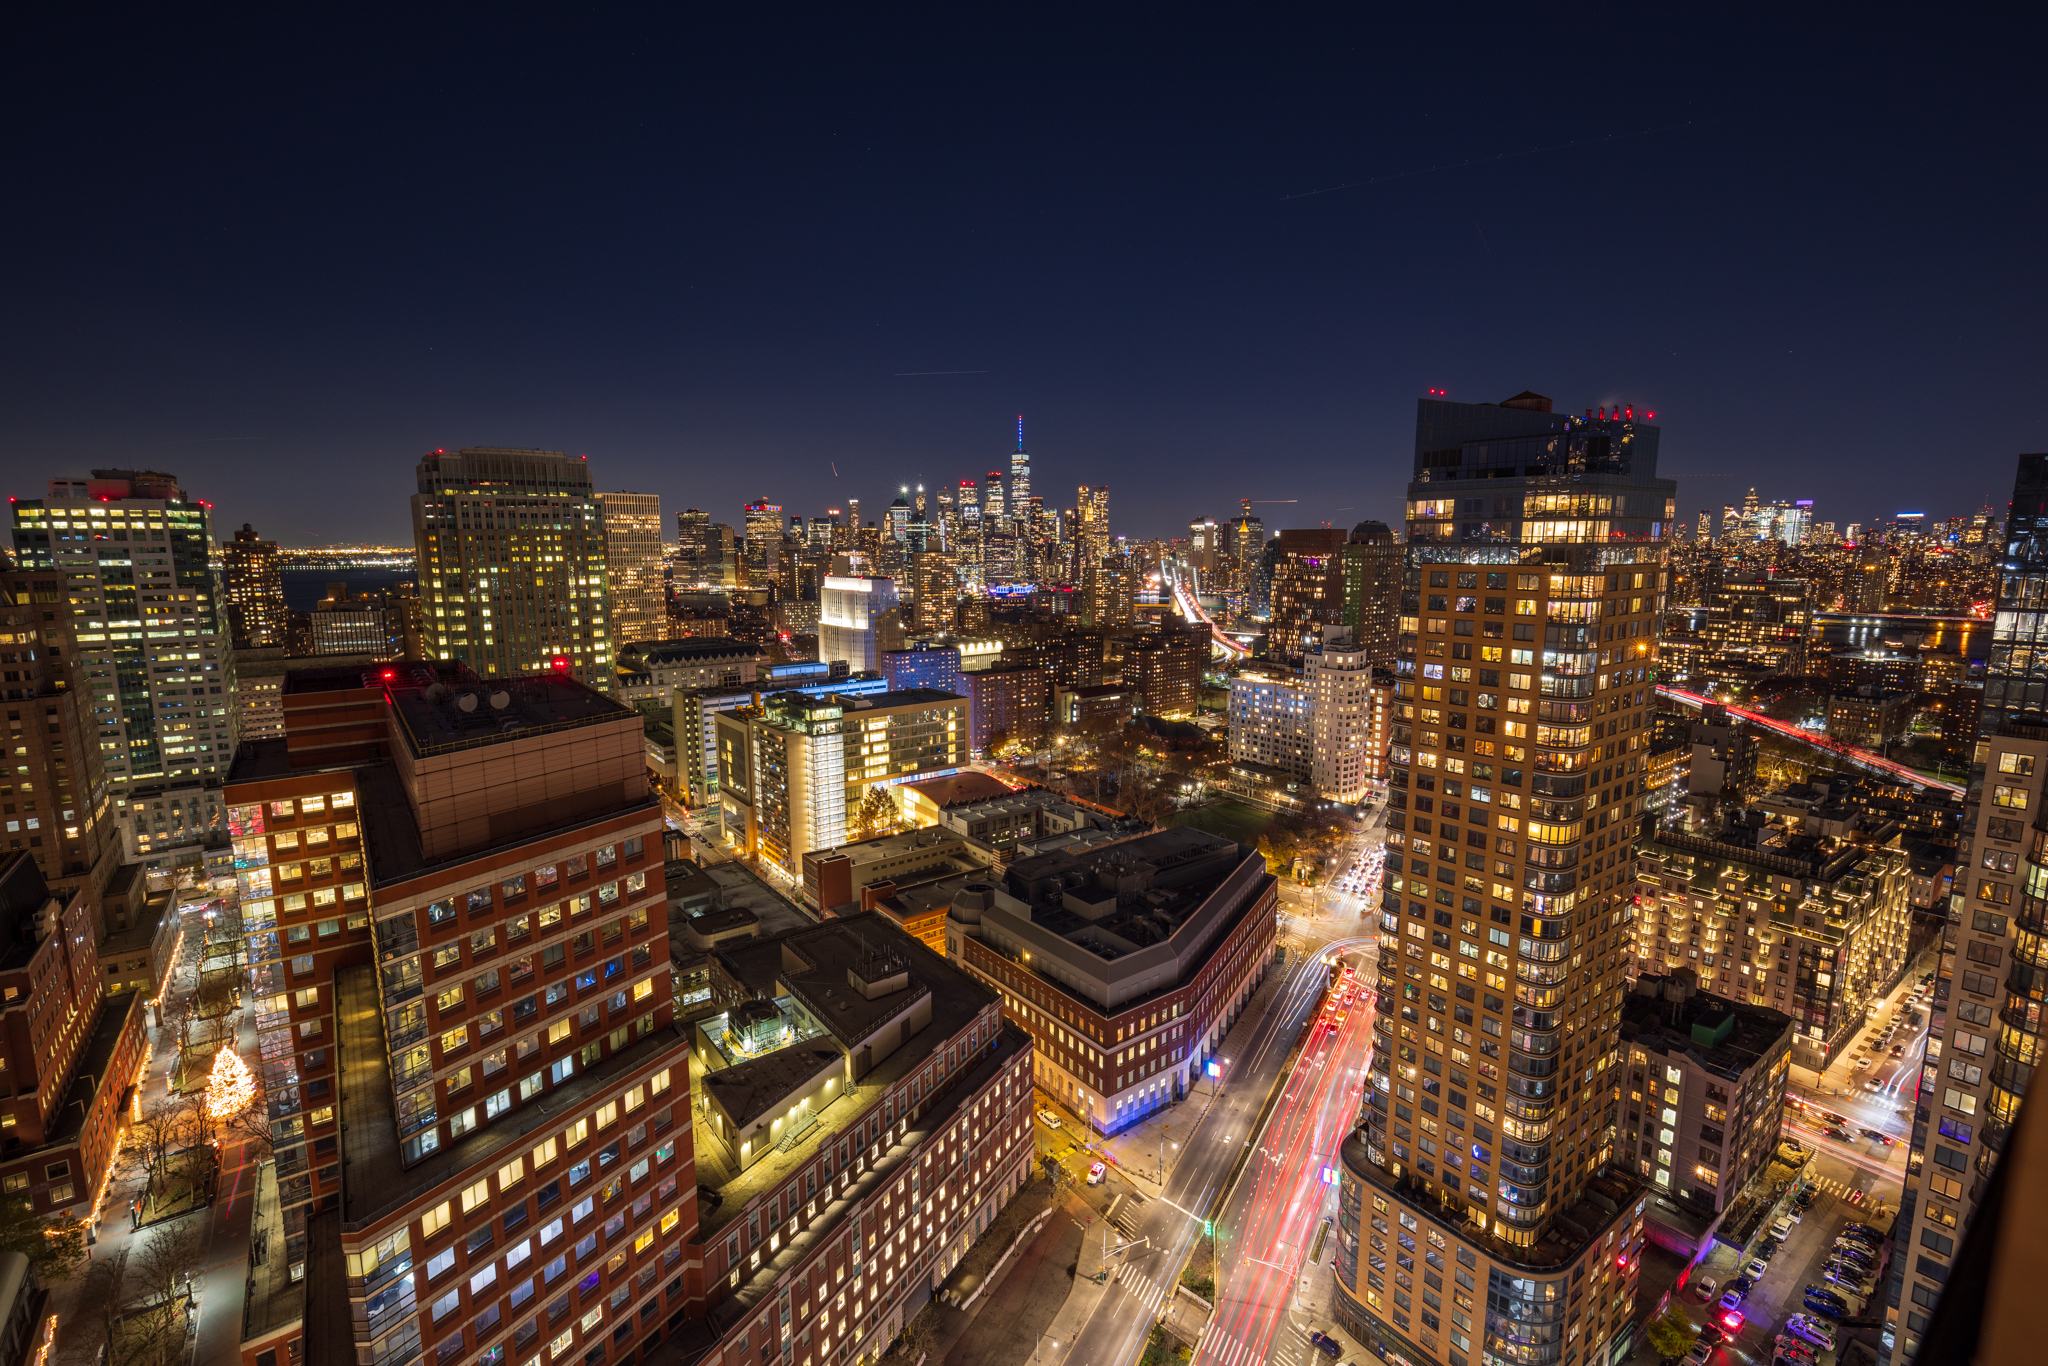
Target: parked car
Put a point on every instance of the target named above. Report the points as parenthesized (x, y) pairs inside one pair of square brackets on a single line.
[(1738, 1291), (1864, 1232), (1825, 1302), (1854, 1251), (1848, 1277), (1796, 1350), (1756, 1268), (1862, 1063), (1699, 1354), (1815, 1331), (1782, 1228), (1097, 1173), (1326, 1344), (1052, 1121), (1703, 1288)]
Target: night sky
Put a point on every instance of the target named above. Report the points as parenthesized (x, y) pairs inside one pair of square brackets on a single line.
[(282, 256)]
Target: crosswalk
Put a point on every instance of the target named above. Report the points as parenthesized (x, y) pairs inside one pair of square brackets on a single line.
[(1839, 1189), (1147, 1291)]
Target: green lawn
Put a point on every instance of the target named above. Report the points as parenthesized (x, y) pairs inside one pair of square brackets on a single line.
[(1235, 820)]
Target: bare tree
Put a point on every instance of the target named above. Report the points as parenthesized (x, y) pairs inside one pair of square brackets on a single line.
[(100, 1305), (163, 1273), (252, 1129), (157, 1131)]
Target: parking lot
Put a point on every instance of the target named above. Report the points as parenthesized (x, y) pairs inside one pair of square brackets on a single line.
[(1794, 1266)]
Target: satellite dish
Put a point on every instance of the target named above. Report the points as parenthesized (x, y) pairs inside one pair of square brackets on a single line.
[(501, 700), (436, 692), (467, 701)]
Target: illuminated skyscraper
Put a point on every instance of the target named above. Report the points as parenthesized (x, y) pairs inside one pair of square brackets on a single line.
[(512, 563), (994, 514), (632, 549), (1491, 1129), (255, 590), (150, 629), (1020, 476), (1986, 1027)]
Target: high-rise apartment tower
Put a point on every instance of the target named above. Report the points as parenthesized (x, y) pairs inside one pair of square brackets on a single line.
[(512, 563), (151, 630), (255, 590), (1528, 628), (632, 554)]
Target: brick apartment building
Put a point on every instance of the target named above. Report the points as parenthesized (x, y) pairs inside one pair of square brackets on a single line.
[(1126, 962), (463, 1015), (488, 1149), (69, 1052)]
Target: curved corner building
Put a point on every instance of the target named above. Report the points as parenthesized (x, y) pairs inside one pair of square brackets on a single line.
[(1486, 1211)]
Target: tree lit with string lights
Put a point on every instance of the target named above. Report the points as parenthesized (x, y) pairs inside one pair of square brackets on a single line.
[(230, 1087)]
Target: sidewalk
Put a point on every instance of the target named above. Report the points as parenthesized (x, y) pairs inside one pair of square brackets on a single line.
[(1135, 1153), (220, 1275)]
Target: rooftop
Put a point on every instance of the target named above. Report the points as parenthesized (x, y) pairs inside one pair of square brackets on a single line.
[(443, 716), (960, 788), (824, 953), (650, 654), (1137, 890), (1669, 1014)]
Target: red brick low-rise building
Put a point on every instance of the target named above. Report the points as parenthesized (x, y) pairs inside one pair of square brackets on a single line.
[(1126, 962), (69, 1053)]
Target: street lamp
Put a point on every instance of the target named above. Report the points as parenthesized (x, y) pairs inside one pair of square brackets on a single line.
[(1043, 1337), (1163, 1145)]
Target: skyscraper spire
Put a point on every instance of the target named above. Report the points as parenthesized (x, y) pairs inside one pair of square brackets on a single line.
[(1020, 433)]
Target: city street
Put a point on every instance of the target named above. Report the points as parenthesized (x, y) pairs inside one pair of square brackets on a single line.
[(1142, 1278), (1269, 1221)]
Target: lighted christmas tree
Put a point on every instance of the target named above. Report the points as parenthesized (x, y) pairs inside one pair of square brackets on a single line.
[(230, 1088)]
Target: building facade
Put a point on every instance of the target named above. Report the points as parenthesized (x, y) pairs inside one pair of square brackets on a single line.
[(656, 671), (855, 617), (68, 1050), (1121, 1035), (1271, 720), (1341, 716), (55, 801), (1769, 917), (1006, 704), (798, 772), (1705, 1093), (150, 630), (637, 592), (255, 590), (1514, 795), (511, 563), (1372, 589), (1308, 589), (461, 999)]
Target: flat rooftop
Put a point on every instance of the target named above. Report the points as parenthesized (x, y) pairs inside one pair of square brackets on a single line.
[(1665, 1026), (690, 650), (827, 950), (960, 788), (1157, 881), (443, 716)]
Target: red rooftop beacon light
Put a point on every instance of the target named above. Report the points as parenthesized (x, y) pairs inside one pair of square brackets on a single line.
[(561, 664)]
